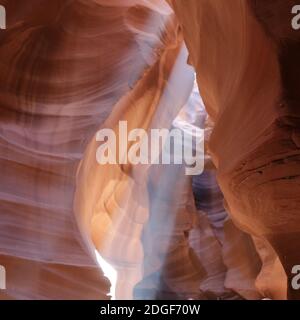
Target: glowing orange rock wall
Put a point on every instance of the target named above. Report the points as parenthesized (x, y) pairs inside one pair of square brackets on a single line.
[(70, 68), (64, 65), (245, 54)]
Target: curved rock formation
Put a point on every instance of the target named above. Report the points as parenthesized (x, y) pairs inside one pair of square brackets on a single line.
[(71, 68), (64, 66), (245, 53)]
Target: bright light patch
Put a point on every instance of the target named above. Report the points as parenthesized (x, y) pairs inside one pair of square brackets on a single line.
[(110, 273)]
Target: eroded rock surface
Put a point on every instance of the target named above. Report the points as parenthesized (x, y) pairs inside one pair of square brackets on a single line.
[(70, 68), (245, 53)]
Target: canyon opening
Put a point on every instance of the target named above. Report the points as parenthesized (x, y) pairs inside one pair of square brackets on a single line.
[(149, 150)]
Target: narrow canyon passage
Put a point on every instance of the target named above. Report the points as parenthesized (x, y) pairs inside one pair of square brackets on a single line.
[(82, 230)]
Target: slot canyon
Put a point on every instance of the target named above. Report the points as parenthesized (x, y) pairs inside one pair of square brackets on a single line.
[(71, 228)]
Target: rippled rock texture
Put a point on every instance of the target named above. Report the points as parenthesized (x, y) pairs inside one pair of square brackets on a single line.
[(245, 53), (70, 68)]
